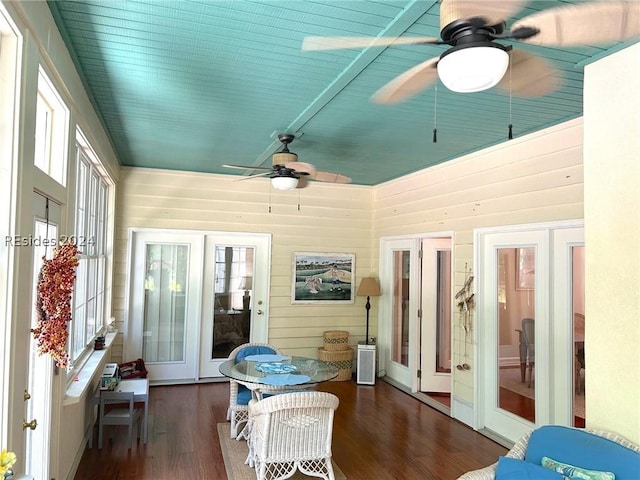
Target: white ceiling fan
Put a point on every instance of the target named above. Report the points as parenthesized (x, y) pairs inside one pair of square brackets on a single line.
[(476, 60), (287, 173)]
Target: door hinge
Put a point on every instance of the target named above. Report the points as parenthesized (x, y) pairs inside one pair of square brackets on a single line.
[(419, 373)]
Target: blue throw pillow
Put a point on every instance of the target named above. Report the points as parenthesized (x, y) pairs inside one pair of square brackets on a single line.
[(514, 469)]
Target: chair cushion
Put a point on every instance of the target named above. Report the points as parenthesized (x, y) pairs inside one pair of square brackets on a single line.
[(244, 395), (584, 450), (572, 471), (514, 469), (253, 350)]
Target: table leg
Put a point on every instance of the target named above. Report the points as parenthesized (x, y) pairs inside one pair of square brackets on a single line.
[(146, 420)]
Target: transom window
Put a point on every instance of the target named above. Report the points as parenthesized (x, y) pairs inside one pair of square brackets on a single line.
[(52, 120)]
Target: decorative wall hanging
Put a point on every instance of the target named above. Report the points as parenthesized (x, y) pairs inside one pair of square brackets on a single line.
[(323, 278), (53, 303)]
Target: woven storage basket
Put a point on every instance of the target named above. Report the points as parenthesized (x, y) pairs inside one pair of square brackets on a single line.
[(336, 340), (341, 359)]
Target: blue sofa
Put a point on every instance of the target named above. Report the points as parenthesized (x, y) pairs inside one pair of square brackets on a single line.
[(554, 452)]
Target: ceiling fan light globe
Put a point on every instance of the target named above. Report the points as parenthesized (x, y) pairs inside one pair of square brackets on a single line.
[(284, 183), (473, 69)]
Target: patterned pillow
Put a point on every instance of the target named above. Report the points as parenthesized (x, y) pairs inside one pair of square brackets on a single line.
[(575, 473)]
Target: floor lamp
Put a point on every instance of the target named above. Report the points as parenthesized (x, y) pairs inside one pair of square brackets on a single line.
[(368, 288)]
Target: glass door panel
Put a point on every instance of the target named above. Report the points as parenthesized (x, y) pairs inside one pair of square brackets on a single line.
[(233, 285), (577, 282), (516, 331), (164, 315), (400, 306)]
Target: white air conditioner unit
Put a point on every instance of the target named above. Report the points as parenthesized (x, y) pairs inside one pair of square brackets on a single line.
[(366, 368)]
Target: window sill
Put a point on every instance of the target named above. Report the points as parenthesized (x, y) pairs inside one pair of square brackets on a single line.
[(89, 371)]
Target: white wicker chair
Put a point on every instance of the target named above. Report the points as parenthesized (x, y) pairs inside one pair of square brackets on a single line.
[(519, 450), (240, 395), (292, 431)]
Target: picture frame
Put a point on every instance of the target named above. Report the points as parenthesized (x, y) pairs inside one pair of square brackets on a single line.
[(525, 268), (323, 278)]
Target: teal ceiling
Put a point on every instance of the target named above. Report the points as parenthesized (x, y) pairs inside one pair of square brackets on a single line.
[(192, 85)]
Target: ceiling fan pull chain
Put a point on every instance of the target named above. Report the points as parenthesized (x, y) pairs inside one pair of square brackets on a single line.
[(510, 97), (435, 109)]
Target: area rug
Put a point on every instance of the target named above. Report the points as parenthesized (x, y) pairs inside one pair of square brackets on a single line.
[(511, 380), (234, 453)]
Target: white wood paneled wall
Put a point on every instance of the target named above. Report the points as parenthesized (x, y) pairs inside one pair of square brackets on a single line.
[(536, 178), (330, 218)]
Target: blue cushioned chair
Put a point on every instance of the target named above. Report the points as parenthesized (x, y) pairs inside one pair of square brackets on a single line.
[(590, 449), (239, 395)]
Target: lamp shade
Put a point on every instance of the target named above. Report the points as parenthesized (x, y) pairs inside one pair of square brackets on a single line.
[(474, 68), (284, 183), (246, 283), (368, 288)]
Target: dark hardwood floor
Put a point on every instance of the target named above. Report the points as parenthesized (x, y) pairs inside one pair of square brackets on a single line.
[(380, 433)]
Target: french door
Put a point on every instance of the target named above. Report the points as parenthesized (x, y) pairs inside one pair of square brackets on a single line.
[(414, 325), (525, 340), (188, 293), (436, 312), (39, 393), (235, 300)]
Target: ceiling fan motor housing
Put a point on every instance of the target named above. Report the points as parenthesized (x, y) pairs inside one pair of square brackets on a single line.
[(282, 158)]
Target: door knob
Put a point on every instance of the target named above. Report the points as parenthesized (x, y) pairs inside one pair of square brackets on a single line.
[(32, 424)]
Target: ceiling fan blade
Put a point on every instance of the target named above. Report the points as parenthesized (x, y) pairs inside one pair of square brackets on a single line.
[(302, 167), (408, 83), (491, 11), (529, 75), (330, 177), (303, 182), (246, 167), (588, 23), (247, 177), (336, 43)]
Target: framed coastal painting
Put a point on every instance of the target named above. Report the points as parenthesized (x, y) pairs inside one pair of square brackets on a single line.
[(323, 277)]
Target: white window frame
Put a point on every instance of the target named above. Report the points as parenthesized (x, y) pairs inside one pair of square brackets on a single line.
[(91, 230), (52, 125)]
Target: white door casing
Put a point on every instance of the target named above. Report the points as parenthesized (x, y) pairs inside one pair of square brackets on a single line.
[(553, 338)]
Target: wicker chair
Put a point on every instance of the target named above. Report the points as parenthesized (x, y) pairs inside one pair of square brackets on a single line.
[(519, 450), (292, 431), (239, 395)]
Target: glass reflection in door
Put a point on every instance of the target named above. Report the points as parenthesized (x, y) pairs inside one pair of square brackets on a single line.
[(577, 282), (164, 306), (516, 331), (233, 285), (401, 265)]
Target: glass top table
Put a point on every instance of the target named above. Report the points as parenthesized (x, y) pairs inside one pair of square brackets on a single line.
[(302, 372)]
